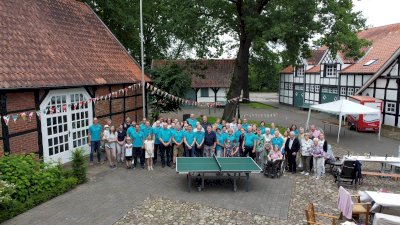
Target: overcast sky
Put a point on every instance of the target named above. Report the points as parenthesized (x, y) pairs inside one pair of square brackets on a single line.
[(379, 12)]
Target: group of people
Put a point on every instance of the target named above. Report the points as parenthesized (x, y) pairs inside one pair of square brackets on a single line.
[(143, 142)]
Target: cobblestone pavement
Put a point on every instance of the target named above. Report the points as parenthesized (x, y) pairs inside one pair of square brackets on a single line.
[(323, 193)]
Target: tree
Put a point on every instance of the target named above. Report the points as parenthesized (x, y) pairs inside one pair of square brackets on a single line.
[(173, 79)]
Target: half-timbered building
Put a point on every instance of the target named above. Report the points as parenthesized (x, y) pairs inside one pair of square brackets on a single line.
[(58, 64), (327, 77)]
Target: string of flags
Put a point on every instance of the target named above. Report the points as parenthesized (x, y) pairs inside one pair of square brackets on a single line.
[(60, 108), (156, 91)]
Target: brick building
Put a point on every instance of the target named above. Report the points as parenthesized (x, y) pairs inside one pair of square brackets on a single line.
[(56, 57)]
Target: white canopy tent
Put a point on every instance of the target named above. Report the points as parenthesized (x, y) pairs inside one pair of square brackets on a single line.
[(345, 107)]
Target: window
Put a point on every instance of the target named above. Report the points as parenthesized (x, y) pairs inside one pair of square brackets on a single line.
[(300, 71), (307, 87), (330, 70), (290, 86), (350, 91), (204, 92), (370, 62), (286, 86), (390, 107), (312, 88), (343, 91), (356, 89), (316, 88)]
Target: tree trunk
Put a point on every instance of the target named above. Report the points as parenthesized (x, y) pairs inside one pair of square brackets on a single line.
[(240, 79)]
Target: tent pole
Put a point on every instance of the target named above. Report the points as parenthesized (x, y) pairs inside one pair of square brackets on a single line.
[(308, 118), (340, 125), (380, 126)]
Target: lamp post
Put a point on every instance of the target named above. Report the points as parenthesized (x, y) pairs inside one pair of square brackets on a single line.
[(142, 58)]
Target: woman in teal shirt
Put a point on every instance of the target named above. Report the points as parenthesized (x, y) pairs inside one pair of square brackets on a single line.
[(262, 127)]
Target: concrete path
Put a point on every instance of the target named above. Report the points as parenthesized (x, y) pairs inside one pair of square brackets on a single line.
[(112, 193)]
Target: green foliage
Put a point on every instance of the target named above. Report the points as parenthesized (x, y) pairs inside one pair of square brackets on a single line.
[(79, 167), (33, 181), (173, 79), (6, 191)]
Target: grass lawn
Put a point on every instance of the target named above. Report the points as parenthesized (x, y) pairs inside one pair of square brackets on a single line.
[(257, 105)]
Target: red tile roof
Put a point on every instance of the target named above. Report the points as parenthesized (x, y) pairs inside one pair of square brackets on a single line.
[(315, 69), (59, 43), (385, 42), (215, 73), (315, 58)]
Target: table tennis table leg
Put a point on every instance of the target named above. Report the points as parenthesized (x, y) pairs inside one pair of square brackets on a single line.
[(247, 181), (189, 182), (234, 182), (202, 181)]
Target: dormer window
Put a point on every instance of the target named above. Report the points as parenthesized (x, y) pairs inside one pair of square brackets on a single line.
[(370, 62), (300, 71), (330, 70)]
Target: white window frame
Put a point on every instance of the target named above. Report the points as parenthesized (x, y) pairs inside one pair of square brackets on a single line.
[(290, 86), (343, 90), (307, 87), (300, 71), (316, 88), (330, 70), (350, 91), (286, 86), (390, 107), (311, 88)]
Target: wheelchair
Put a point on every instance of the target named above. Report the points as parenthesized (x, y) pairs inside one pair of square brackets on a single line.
[(280, 169)]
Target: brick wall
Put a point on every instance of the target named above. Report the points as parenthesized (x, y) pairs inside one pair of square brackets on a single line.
[(24, 144), (27, 143)]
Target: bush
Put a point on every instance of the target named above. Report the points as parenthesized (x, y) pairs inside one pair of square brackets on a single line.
[(79, 167), (6, 191), (32, 183)]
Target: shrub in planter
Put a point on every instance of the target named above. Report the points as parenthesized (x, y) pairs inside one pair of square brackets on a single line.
[(79, 166)]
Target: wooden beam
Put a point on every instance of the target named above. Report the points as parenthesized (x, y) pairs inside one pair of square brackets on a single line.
[(4, 127), (38, 123)]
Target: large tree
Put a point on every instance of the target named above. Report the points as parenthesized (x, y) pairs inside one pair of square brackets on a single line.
[(193, 28)]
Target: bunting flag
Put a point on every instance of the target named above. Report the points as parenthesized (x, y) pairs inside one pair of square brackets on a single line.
[(6, 119), (23, 115), (31, 115), (15, 117)]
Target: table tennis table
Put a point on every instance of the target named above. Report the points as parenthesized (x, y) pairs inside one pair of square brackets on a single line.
[(222, 167)]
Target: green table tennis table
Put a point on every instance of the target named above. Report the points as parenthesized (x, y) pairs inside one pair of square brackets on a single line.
[(222, 167)]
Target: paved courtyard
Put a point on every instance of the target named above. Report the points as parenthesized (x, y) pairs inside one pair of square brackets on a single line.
[(121, 196)]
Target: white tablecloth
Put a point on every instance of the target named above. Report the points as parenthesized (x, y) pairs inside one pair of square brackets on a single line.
[(384, 219), (381, 159), (384, 199)]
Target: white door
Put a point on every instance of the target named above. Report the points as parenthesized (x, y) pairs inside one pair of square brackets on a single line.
[(65, 119)]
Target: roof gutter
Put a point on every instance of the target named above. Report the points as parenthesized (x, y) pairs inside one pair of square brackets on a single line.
[(379, 72)]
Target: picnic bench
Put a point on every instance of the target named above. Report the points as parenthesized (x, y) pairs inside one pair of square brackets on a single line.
[(394, 176)]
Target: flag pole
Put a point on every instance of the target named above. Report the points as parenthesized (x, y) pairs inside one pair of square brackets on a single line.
[(142, 58)]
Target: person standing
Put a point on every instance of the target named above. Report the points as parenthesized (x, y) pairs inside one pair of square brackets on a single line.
[(192, 121), (149, 151), (143, 124), (210, 141), (121, 143), (94, 140), (260, 145), (233, 125), (128, 153), (318, 158), (146, 130), (110, 144), (137, 136), (249, 144), (262, 127), (165, 147), (157, 143), (177, 139), (189, 140), (292, 146), (220, 143), (199, 134), (306, 156), (205, 123), (127, 123), (245, 125)]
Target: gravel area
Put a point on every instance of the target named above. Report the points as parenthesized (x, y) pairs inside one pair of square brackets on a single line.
[(323, 193)]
